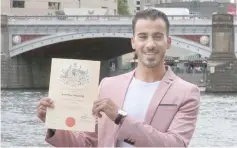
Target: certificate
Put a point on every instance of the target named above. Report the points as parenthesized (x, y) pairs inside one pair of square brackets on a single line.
[(73, 87)]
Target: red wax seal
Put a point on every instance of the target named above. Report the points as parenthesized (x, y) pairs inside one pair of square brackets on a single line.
[(70, 121)]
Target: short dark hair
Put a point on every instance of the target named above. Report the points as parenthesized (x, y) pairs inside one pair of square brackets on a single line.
[(152, 14)]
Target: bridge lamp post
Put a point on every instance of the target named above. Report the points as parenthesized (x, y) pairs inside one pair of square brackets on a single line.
[(176, 65)]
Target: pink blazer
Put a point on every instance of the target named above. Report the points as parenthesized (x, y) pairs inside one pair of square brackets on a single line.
[(170, 119)]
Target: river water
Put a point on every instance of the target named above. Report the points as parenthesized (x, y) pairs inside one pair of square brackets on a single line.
[(216, 126)]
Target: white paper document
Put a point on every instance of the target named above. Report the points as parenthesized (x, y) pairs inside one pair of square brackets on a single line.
[(73, 88)]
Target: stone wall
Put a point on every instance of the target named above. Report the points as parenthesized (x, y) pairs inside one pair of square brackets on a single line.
[(25, 72), (223, 78)]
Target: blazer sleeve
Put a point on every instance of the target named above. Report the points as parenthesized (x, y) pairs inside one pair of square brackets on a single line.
[(178, 134), (63, 138)]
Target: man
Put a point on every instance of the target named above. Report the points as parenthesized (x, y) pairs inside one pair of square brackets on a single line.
[(148, 107)]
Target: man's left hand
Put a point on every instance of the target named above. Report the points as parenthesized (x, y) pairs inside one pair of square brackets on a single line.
[(107, 106)]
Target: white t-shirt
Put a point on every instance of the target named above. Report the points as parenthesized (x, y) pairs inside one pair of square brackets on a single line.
[(137, 99)]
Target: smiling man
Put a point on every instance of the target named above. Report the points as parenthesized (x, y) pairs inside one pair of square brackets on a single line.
[(148, 107)]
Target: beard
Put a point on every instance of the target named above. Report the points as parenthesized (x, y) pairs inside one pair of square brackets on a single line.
[(150, 63), (151, 60)]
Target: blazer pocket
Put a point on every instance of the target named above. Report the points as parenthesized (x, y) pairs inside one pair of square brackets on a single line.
[(164, 107), (167, 104)]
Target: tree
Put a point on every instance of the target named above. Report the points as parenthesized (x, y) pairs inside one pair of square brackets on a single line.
[(123, 7)]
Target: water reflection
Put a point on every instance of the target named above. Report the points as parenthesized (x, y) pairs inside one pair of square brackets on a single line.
[(217, 123)]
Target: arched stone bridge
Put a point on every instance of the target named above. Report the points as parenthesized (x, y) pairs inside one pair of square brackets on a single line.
[(32, 41), (33, 32), (57, 38)]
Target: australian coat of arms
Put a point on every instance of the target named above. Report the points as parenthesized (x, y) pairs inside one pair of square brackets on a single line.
[(74, 76)]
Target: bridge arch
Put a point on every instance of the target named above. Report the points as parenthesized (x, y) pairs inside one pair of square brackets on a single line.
[(58, 38)]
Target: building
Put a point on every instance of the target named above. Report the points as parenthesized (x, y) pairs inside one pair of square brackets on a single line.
[(174, 1), (49, 7), (134, 6), (198, 7), (131, 6)]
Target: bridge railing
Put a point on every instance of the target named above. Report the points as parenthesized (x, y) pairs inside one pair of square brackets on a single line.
[(102, 17)]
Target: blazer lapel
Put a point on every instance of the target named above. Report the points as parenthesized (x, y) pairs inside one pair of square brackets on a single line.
[(123, 87), (120, 97), (160, 92)]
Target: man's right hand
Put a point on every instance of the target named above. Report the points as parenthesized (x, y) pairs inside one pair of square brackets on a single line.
[(41, 108)]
